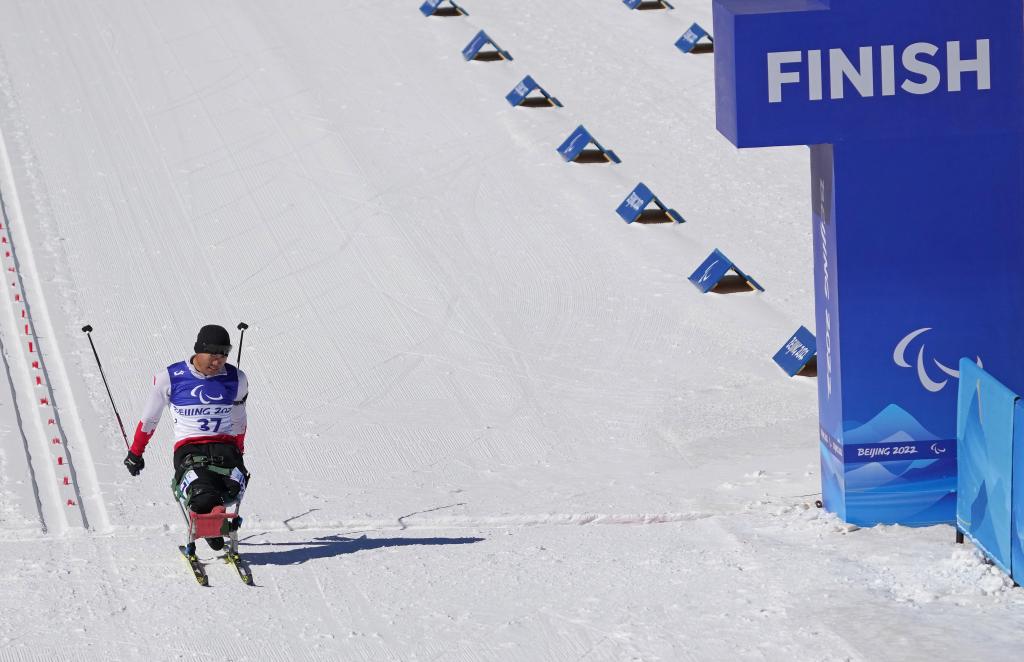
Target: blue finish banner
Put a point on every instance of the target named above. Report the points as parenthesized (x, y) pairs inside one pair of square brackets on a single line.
[(806, 72), (900, 101), (797, 352), (638, 200), (689, 40), (985, 432), (473, 48)]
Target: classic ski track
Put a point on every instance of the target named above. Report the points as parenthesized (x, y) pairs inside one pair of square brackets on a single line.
[(38, 410), (44, 376), (16, 410)]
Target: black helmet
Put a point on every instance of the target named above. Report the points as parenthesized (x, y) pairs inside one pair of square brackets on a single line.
[(213, 339)]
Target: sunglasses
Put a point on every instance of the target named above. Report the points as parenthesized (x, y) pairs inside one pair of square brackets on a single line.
[(220, 350)]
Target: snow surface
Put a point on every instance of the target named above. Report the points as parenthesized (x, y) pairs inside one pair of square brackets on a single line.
[(489, 420)]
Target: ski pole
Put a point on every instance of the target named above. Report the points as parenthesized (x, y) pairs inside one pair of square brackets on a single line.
[(88, 331), (242, 326)]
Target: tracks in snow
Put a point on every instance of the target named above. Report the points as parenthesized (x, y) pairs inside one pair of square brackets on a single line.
[(409, 523), (60, 465)]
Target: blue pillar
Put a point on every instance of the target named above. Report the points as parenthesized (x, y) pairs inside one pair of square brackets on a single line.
[(914, 111)]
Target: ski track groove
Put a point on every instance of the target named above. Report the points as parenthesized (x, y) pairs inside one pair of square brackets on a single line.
[(20, 425), (37, 421)]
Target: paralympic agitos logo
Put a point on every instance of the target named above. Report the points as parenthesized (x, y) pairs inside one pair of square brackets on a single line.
[(206, 397), (899, 357)]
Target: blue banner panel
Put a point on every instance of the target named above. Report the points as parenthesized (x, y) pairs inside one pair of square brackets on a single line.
[(689, 40), (797, 352), (826, 315), (1017, 496), (639, 199), (714, 268), (710, 271), (897, 471), (747, 277), (430, 7), (579, 140), (523, 89), (635, 203), (575, 143), (985, 431), (833, 474), (472, 49), (903, 330)]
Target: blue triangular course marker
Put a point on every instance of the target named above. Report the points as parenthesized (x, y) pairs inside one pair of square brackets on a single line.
[(637, 201), (578, 141), (520, 92), (713, 269), (647, 4), (472, 49), (688, 42), (797, 352), (432, 7)]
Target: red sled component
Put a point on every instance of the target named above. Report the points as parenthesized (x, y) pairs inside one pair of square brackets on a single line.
[(212, 524)]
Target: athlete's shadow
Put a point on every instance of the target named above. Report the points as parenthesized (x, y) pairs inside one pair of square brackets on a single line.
[(328, 546)]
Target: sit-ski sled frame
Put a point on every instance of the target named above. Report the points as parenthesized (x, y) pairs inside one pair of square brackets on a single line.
[(222, 521)]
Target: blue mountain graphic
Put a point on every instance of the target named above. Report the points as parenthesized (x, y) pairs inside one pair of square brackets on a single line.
[(891, 424)]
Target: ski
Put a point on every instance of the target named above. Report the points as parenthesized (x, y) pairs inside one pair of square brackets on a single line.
[(241, 567), (196, 565)]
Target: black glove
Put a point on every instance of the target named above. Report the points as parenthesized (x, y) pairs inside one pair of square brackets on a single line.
[(135, 463)]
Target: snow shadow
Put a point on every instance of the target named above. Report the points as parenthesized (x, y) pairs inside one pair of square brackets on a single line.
[(536, 102), (592, 156), (293, 553), (732, 284), (809, 370), (489, 56), (653, 217)]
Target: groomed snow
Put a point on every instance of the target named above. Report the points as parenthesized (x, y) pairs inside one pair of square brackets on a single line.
[(488, 419)]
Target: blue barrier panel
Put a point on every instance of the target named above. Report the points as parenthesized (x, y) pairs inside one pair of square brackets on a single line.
[(714, 268), (886, 92), (797, 352), (647, 4), (638, 200), (688, 42), (985, 431), (523, 89), (1017, 496), (578, 140), (472, 49), (431, 7)]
